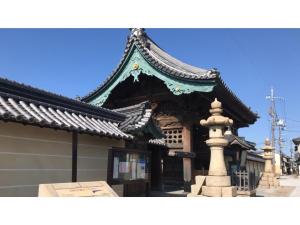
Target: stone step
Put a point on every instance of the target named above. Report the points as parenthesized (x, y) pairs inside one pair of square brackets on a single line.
[(200, 180), (195, 189), (193, 195)]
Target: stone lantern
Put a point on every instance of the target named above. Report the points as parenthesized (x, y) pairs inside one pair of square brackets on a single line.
[(218, 184), (268, 178)]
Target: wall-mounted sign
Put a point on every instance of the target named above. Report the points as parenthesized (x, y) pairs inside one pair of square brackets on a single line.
[(126, 166)]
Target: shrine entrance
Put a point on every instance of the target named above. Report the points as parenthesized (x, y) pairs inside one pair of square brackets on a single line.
[(173, 172)]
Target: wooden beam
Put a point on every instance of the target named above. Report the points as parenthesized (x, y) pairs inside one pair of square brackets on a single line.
[(74, 155), (187, 162)]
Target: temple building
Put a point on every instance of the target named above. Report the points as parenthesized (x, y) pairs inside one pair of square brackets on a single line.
[(139, 131), (179, 96)]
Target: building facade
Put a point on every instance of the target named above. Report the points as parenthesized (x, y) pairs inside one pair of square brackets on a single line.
[(139, 130), (179, 95)]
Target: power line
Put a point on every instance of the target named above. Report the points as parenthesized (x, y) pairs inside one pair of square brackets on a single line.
[(293, 120), (276, 123), (297, 131)]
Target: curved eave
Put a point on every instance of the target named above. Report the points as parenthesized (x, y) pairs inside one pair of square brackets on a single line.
[(207, 77), (114, 74), (249, 115), (183, 73)]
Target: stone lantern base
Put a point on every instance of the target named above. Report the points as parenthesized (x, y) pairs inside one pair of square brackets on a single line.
[(213, 186), (269, 180), (219, 186)]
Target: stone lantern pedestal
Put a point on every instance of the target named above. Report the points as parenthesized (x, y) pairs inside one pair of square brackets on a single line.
[(268, 179), (217, 183)]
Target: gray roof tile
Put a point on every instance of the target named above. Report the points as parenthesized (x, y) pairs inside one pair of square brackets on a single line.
[(17, 108), (138, 117)]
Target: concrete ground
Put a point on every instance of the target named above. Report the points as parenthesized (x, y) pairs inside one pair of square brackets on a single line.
[(289, 187), (169, 191), (178, 193)]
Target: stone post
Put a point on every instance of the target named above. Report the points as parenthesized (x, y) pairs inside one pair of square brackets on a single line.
[(218, 184), (268, 179)]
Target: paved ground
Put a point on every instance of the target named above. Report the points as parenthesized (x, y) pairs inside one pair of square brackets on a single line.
[(289, 187), (169, 192)]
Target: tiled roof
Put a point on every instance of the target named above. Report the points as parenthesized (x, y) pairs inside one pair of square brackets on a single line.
[(17, 106), (160, 60), (167, 64), (159, 142), (138, 118), (296, 141), (254, 156), (236, 140)]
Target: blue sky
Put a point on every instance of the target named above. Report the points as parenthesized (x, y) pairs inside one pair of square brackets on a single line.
[(74, 61)]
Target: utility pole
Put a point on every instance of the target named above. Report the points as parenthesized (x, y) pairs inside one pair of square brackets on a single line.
[(292, 157), (273, 115), (281, 126), (274, 118)]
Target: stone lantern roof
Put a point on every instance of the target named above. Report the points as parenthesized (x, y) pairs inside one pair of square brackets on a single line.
[(216, 119)]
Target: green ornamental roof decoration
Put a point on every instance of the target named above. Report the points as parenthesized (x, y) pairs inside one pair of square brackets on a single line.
[(136, 65)]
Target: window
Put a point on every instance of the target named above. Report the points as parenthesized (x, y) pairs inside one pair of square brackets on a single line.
[(173, 136)]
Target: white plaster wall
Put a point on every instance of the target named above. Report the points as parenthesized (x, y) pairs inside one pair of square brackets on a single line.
[(31, 155)]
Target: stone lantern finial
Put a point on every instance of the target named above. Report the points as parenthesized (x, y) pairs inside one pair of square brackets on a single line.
[(267, 147), (267, 142), (216, 104)]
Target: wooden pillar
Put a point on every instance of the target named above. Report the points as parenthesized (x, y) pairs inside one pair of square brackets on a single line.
[(187, 162), (74, 156)]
